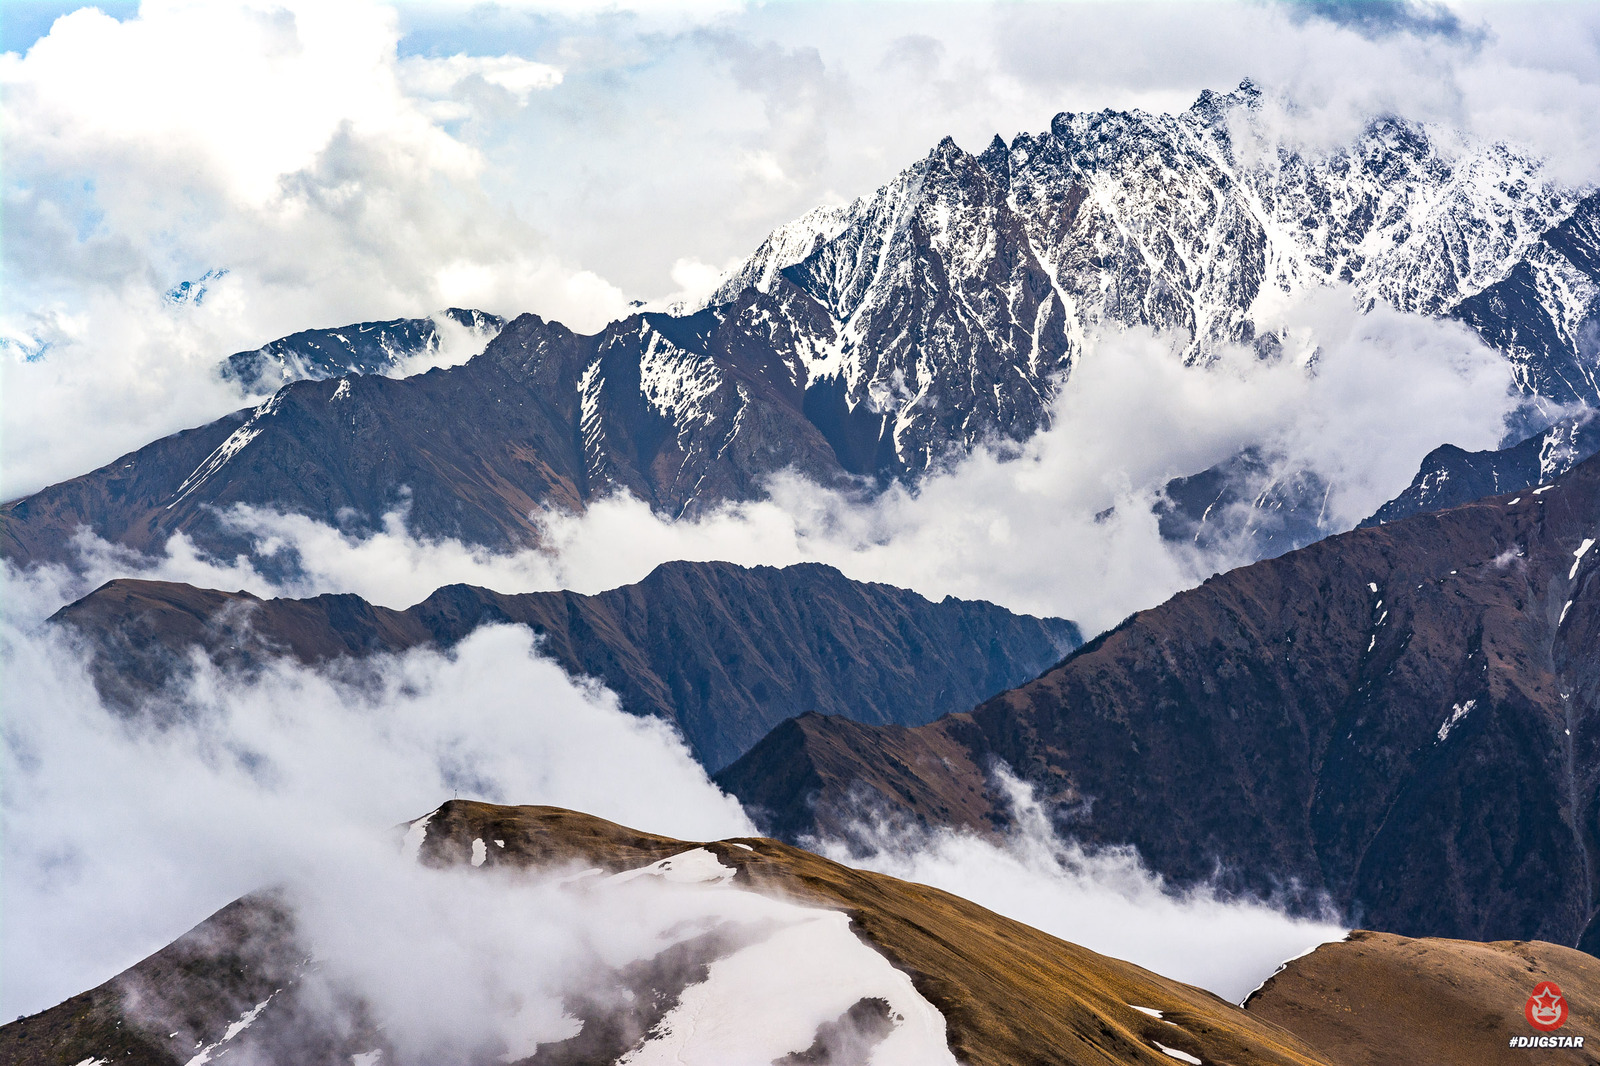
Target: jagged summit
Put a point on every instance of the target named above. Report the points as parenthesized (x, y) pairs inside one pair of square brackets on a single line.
[(878, 340), (961, 292)]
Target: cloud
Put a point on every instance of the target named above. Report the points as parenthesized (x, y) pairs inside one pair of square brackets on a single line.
[(285, 144), (1105, 899), (517, 76), (121, 833), (1375, 19), (1061, 525), (498, 962)]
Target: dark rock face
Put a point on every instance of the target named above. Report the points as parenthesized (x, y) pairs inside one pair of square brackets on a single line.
[(1451, 476), (1246, 504), (1405, 717), (359, 348), (723, 651), (1545, 313)]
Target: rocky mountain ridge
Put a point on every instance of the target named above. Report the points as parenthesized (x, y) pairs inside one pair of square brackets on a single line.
[(872, 342), (724, 652), (389, 348), (1450, 476), (999, 992), (1405, 718), (961, 292)]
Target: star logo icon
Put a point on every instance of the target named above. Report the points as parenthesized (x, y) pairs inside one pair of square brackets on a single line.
[(1546, 1009)]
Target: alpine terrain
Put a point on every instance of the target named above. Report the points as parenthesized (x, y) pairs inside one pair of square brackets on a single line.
[(912, 975), (1403, 717), (722, 651), (876, 340)]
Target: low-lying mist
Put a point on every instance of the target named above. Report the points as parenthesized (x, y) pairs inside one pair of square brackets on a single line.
[(1104, 898), (122, 832), (1061, 525)]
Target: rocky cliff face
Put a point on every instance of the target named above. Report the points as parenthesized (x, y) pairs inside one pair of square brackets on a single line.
[(724, 652), (1405, 717), (961, 292), (1544, 313)]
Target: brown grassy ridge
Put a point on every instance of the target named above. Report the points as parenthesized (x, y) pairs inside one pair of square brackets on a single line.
[(1378, 999), (1010, 994)]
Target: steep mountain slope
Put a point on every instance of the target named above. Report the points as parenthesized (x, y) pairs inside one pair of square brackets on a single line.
[(1405, 717), (1377, 998), (963, 289), (680, 412), (725, 652), (1545, 313), (874, 341), (1450, 476), (1003, 993), (360, 348)]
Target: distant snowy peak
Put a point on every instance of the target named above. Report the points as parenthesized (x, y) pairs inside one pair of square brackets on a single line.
[(958, 293), (396, 348), (1406, 213)]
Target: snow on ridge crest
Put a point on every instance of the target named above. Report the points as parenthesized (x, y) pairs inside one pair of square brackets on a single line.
[(963, 291)]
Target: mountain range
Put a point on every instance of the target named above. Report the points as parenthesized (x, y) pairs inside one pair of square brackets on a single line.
[(961, 292), (993, 990), (872, 342), (1397, 723), (1401, 719), (724, 652)]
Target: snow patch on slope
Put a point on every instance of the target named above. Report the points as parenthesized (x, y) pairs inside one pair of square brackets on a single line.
[(245, 1021), (416, 833), (769, 999), (697, 866), (1583, 550)]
